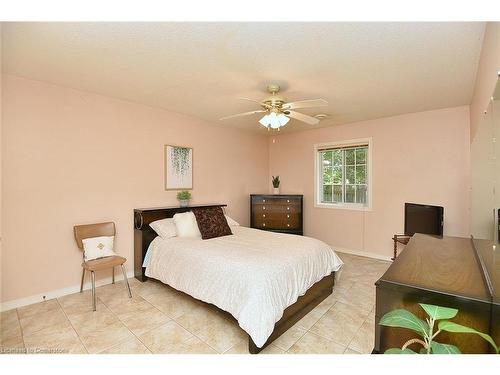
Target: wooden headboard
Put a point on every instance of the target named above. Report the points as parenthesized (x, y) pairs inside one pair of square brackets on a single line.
[(144, 234)]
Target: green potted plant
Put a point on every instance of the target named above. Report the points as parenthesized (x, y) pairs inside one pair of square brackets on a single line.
[(183, 197), (276, 184), (437, 318)]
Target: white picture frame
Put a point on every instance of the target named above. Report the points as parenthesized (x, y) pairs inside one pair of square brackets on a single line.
[(178, 167)]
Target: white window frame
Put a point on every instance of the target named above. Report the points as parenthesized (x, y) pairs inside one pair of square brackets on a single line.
[(317, 174)]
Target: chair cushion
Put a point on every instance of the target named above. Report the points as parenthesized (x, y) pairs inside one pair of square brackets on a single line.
[(103, 263), (98, 247)]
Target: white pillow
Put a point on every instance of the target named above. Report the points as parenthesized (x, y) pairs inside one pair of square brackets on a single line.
[(231, 222), (186, 225), (98, 247), (164, 228)]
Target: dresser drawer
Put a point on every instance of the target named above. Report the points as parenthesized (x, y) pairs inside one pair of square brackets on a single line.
[(276, 221), (282, 201), (281, 208)]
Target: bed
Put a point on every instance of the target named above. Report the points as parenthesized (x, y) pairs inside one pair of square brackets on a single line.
[(264, 281)]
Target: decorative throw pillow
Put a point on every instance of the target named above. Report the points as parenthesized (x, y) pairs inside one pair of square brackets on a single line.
[(164, 228), (98, 247), (211, 222), (231, 222), (186, 226)]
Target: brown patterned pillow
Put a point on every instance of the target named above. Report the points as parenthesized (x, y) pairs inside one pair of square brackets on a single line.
[(211, 222)]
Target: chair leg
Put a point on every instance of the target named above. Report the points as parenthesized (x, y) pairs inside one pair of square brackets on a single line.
[(93, 290), (126, 281), (113, 277), (83, 278)]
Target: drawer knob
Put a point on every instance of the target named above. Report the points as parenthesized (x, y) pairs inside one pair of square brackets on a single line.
[(263, 200), (263, 207), (288, 216), (263, 215), (288, 208), (288, 201), (288, 225), (264, 224)]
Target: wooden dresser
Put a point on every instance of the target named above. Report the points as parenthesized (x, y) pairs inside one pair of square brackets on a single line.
[(277, 213)]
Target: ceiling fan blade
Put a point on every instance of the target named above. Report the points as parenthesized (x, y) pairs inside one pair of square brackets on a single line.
[(301, 117), (256, 101), (243, 114), (305, 104)]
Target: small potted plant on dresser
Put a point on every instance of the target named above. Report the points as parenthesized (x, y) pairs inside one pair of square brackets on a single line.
[(183, 197), (276, 184)]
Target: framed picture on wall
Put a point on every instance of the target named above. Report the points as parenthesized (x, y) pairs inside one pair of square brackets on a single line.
[(178, 167)]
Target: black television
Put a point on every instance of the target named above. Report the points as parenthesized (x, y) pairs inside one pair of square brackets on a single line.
[(423, 218)]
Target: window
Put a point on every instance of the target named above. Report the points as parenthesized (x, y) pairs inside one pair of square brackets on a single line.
[(343, 171)]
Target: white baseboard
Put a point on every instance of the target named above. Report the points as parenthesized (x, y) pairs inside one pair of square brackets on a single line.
[(362, 253), (58, 293)]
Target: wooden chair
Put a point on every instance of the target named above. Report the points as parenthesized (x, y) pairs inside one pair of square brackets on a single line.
[(97, 230)]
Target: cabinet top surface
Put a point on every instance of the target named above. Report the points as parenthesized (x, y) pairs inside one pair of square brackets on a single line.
[(178, 207), (277, 195), (442, 264)]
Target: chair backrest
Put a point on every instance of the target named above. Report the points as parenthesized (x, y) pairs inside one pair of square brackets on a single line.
[(93, 230)]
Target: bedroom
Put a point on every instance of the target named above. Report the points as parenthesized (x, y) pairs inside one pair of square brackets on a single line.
[(291, 208)]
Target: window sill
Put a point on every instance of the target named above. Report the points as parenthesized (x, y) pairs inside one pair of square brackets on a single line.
[(340, 206)]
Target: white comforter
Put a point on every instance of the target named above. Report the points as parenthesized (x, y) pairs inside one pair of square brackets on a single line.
[(252, 274)]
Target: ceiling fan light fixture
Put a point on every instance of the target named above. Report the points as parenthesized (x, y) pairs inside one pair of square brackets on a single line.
[(274, 121)]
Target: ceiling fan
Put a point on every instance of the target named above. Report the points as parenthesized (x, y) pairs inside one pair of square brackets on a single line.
[(278, 112)]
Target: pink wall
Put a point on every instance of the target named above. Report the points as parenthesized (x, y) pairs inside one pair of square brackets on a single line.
[(419, 157), (74, 157), (487, 74)]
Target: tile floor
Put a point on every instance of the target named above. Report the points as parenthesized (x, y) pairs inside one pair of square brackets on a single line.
[(160, 320)]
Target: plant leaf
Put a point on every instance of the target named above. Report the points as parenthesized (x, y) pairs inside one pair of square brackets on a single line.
[(438, 348), (405, 319), (439, 312), (399, 351), (454, 327)]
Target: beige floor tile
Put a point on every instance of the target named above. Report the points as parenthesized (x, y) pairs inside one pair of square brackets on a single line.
[(43, 320), (93, 320), (38, 308), (241, 347), (104, 337), (350, 351), (151, 287), (10, 328), (62, 338), (172, 304), (78, 303), (313, 344), (221, 334), (132, 346), (290, 337), (162, 339), (142, 317), (8, 317), (364, 339), (192, 345), (340, 323), (11, 342), (126, 305), (314, 315), (197, 318)]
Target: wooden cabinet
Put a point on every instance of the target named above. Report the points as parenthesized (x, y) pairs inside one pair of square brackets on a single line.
[(446, 271), (277, 213)]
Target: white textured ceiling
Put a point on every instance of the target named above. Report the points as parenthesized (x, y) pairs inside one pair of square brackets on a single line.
[(364, 70)]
